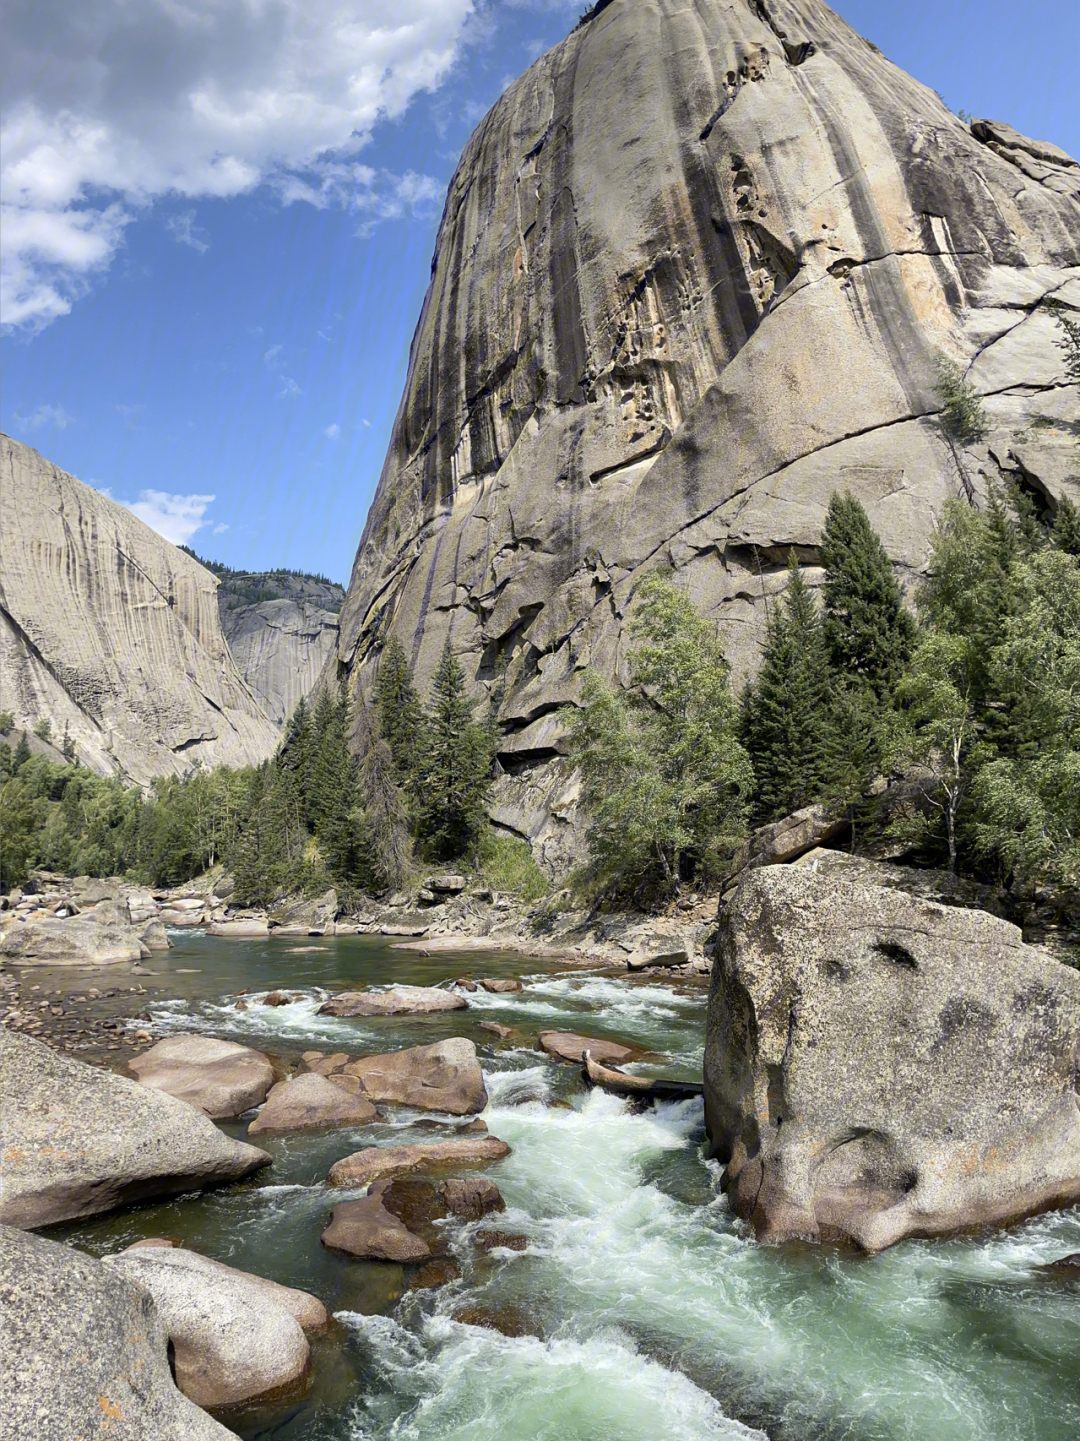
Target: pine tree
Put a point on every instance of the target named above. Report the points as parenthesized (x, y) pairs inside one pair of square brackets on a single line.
[(788, 720), (398, 711), (455, 768), (334, 801), (868, 633), (22, 752), (1066, 532)]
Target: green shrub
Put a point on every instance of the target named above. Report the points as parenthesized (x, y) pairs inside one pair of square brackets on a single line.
[(506, 863)]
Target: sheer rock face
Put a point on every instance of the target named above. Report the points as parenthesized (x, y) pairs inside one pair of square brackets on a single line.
[(694, 272), (109, 630), (280, 643), (879, 1066)]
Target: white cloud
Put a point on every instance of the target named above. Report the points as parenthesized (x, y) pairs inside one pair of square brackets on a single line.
[(270, 356), (288, 389), (176, 517), (52, 415), (184, 229), (219, 529), (110, 105), (332, 431)]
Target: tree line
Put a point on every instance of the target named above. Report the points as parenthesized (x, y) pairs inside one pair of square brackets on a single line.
[(975, 700)]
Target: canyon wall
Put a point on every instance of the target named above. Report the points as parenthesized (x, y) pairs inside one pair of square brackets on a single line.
[(110, 632), (695, 271)]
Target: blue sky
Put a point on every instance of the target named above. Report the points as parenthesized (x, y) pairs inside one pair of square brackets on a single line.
[(219, 228)]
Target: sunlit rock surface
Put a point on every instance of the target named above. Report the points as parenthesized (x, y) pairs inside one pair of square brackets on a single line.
[(109, 631), (694, 272), (880, 1066)]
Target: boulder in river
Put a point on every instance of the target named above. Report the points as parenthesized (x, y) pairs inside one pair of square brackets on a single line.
[(218, 1077), (499, 986), (85, 1352), (376, 1162), (103, 936), (301, 1305), (398, 1001), (569, 1046), (234, 1336), (445, 1076), (879, 1066), (77, 1140), (243, 930), (393, 1222), (311, 1100), (471, 1197)]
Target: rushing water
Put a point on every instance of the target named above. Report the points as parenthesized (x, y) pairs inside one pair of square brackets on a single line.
[(640, 1310)]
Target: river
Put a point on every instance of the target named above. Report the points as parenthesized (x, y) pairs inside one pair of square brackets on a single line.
[(640, 1311)]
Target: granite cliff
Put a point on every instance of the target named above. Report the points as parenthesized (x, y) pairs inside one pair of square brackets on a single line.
[(696, 269), (109, 631), (282, 627)]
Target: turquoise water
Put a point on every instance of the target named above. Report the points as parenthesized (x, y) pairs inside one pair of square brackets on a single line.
[(640, 1310)]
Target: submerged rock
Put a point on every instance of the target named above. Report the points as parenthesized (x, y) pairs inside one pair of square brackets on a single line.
[(376, 1162), (77, 1140), (85, 1352), (220, 1078), (398, 1001), (234, 1336), (445, 1076), (569, 1046), (311, 1100), (878, 1066)]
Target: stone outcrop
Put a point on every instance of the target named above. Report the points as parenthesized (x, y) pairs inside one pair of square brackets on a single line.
[(60, 1307), (393, 1222), (569, 1046), (112, 633), (445, 1076), (397, 1001), (219, 1078), (234, 1336), (281, 629), (376, 1163), (77, 1140), (880, 1066), (695, 270), (101, 936), (311, 1100)]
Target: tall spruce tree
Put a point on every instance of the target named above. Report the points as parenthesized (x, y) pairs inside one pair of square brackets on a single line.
[(1066, 531), (787, 721), (868, 634), (454, 772), (398, 711)]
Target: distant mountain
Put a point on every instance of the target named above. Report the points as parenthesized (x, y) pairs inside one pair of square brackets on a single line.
[(113, 634), (281, 626)]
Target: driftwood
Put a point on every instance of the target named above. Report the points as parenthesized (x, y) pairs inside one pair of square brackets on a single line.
[(643, 1088)]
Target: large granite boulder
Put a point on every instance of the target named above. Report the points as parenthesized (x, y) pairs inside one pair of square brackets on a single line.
[(304, 1308), (234, 1336), (395, 1221), (694, 272), (103, 936), (113, 634), (375, 1163), (445, 1076), (397, 1001), (311, 1100), (220, 1078), (85, 1352), (880, 1066), (76, 1140)]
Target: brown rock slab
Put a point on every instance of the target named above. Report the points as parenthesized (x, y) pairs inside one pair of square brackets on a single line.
[(445, 1076), (500, 1240), (880, 1066), (398, 1001), (438, 1272), (311, 1100), (379, 1226), (218, 1077), (376, 1162), (503, 1032), (239, 930), (569, 1046), (471, 1197), (500, 987)]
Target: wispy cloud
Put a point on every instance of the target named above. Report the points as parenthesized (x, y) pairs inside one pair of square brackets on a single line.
[(183, 229), (176, 517), (288, 388), (219, 529), (54, 416), (332, 431), (109, 107), (270, 357)]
